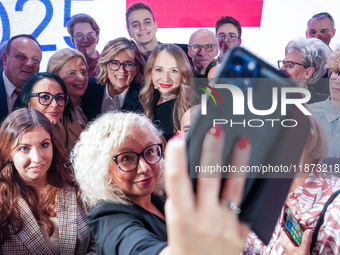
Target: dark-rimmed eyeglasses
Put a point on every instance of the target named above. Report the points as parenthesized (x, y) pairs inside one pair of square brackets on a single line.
[(288, 64), (332, 74), (128, 66), (231, 37), (128, 161), (90, 36), (45, 98), (207, 47)]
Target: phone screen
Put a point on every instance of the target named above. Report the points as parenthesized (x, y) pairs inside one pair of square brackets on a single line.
[(292, 226)]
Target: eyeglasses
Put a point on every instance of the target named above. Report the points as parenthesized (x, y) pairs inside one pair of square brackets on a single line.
[(207, 47), (287, 64), (90, 36), (128, 66), (332, 74), (231, 37), (128, 161), (45, 98)]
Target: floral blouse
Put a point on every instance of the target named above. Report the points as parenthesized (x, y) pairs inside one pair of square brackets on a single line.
[(307, 202)]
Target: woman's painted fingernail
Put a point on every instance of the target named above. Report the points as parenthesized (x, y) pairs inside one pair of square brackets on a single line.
[(216, 131), (243, 142)]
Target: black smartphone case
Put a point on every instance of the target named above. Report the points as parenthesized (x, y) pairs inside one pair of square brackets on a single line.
[(264, 194)]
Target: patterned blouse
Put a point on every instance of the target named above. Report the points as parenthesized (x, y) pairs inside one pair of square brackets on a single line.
[(307, 202)]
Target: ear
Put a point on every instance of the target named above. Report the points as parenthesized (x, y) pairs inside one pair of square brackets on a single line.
[(179, 133), (306, 34), (4, 58), (129, 32), (239, 41), (72, 39), (97, 39), (309, 72), (333, 33), (156, 26)]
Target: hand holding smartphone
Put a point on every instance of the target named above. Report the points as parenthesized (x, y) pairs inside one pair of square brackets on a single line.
[(291, 226)]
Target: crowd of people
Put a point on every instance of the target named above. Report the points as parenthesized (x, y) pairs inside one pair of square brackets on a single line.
[(93, 155)]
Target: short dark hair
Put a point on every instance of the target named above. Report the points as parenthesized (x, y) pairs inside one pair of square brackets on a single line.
[(136, 7), (229, 20), (322, 15), (26, 91), (19, 36), (81, 18)]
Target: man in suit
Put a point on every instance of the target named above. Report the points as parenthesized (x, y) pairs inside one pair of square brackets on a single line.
[(21, 59)]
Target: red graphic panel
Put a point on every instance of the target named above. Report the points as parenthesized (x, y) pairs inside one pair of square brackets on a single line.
[(203, 13)]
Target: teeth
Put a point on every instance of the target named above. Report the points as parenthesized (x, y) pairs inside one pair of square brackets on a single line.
[(121, 77)]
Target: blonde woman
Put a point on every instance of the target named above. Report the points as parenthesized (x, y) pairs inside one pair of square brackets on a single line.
[(168, 81), (119, 81)]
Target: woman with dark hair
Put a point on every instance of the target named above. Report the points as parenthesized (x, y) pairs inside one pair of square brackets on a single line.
[(168, 84), (40, 209), (47, 93), (120, 78)]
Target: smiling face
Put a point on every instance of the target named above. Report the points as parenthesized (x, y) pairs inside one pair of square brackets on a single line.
[(227, 30), (87, 47), (120, 80), (33, 154), (22, 60), (202, 58), (53, 111), (141, 26), (299, 72), (74, 74), (321, 29), (165, 74), (141, 181)]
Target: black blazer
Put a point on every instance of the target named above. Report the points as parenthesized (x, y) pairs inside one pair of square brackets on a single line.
[(93, 98), (3, 99), (121, 229), (316, 96)]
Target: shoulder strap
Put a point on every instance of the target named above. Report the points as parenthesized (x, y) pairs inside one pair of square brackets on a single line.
[(321, 218)]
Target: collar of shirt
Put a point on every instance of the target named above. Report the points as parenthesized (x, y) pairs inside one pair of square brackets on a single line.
[(121, 96), (330, 111), (9, 86)]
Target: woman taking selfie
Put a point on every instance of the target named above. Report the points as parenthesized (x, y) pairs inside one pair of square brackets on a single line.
[(118, 165), (119, 81), (40, 210)]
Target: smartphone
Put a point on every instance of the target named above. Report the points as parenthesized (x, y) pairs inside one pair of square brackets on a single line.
[(254, 104), (291, 226)]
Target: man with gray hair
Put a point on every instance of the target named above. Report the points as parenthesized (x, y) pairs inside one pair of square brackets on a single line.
[(202, 49), (321, 26)]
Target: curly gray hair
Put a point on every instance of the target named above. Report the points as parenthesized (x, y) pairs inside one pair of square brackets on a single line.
[(92, 154)]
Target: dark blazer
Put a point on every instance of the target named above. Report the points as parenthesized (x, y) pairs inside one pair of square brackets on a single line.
[(316, 96), (322, 85), (74, 233), (3, 99), (121, 229), (91, 101)]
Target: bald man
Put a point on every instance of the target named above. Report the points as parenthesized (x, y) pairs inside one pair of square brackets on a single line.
[(202, 49)]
